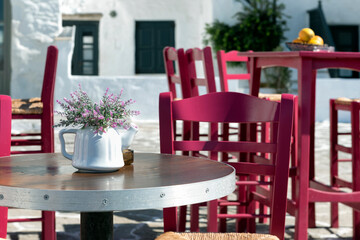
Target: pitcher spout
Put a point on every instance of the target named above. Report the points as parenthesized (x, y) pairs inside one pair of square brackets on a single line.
[(128, 136)]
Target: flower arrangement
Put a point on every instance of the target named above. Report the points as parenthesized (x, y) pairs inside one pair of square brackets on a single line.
[(111, 111)]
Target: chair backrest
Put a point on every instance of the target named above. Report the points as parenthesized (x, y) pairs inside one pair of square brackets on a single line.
[(223, 58), (233, 107), (47, 93), (204, 57), (5, 145), (175, 59)]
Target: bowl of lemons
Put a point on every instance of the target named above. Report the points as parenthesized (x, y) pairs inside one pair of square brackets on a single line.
[(308, 41)]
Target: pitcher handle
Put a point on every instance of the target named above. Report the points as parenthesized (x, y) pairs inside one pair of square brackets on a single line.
[(62, 141)]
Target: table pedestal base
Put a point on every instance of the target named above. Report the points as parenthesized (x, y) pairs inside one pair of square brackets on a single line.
[(97, 225)]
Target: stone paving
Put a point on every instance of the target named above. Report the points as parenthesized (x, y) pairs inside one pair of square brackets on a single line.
[(147, 224)]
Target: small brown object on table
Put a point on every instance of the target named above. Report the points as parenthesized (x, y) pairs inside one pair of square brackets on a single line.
[(128, 155)]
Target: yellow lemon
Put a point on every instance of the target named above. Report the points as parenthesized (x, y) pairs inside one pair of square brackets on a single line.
[(317, 40), (297, 40), (306, 34)]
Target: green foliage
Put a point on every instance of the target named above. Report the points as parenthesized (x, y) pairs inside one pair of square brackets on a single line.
[(277, 78), (260, 26)]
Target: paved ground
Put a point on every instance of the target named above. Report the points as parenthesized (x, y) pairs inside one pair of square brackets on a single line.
[(147, 224)]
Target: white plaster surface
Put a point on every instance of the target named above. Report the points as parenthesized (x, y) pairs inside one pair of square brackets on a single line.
[(117, 34), (36, 24)]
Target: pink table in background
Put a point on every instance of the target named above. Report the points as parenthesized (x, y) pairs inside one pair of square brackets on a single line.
[(306, 63)]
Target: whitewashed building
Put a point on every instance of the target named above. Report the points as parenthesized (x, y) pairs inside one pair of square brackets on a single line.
[(111, 41)]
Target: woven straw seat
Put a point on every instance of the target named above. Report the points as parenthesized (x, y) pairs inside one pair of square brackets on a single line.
[(346, 101), (27, 106), (215, 236), (270, 96)]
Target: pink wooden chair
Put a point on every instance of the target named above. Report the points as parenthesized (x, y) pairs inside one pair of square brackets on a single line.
[(5, 142), (189, 80), (224, 58), (234, 107), (202, 79), (337, 145), (39, 108), (43, 110), (177, 75)]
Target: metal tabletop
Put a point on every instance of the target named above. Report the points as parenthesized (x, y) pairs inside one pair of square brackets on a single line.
[(49, 182)]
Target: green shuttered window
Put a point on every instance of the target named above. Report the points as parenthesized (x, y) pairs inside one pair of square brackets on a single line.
[(151, 37)]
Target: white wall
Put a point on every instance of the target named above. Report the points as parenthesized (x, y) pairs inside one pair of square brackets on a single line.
[(35, 23), (117, 34)]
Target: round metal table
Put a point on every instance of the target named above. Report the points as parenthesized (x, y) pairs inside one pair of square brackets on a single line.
[(49, 182)]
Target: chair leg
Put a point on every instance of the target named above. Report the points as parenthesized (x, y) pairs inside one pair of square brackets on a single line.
[(212, 216), (170, 219), (355, 122), (48, 225), (334, 212), (265, 137), (194, 218), (182, 218), (47, 134), (222, 221), (3, 221)]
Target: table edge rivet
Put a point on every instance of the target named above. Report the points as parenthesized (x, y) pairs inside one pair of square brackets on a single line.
[(207, 190), (1, 197), (46, 197), (162, 195)]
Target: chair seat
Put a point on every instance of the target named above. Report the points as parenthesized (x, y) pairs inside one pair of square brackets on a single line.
[(346, 101), (215, 236), (27, 106), (270, 96)]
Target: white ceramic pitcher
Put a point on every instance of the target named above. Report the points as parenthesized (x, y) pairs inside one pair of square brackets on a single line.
[(100, 152)]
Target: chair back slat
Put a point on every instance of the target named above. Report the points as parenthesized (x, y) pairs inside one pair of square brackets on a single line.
[(198, 109), (47, 93), (251, 168), (219, 146), (175, 79)]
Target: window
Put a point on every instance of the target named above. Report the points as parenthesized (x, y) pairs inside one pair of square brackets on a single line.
[(151, 37), (346, 39), (85, 56)]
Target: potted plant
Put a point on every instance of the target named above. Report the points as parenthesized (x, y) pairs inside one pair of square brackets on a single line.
[(260, 26), (104, 130)]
